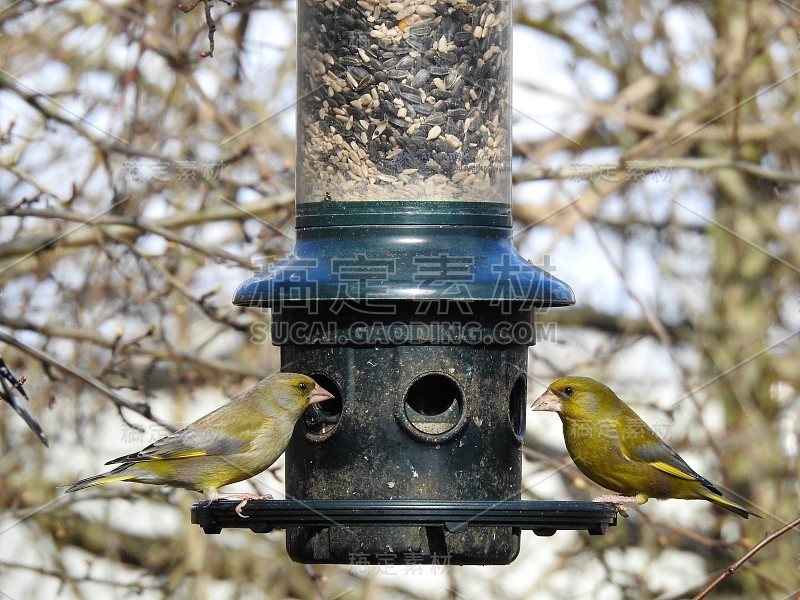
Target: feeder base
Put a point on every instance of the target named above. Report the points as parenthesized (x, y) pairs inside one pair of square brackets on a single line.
[(354, 531)]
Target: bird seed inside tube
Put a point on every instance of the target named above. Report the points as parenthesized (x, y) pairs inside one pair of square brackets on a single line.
[(399, 99)]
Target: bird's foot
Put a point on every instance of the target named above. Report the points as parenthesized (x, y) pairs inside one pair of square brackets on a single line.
[(619, 502), (245, 498)]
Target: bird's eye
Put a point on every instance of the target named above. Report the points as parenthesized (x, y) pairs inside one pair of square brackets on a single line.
[(302, 386), (569, 390)]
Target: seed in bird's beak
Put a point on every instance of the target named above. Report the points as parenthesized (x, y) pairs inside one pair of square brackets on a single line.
[(548, 401), (320, 394)]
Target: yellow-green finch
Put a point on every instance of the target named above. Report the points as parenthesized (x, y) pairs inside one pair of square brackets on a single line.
[(233, 443), (616, 449)]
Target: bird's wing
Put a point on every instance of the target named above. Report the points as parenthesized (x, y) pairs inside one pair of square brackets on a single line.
[(189, 442), (659, 455)]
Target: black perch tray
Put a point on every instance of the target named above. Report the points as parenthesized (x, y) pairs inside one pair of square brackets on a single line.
[(542, 517)]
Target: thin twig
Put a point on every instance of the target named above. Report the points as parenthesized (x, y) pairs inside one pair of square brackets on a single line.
[(137, 407), (53, 330), (19, 383), (212, 26), (731, 569), (86, 236)]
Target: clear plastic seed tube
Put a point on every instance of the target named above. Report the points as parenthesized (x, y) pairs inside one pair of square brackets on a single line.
[(404, 100)]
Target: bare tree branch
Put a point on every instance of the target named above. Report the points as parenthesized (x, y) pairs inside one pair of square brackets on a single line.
[(141, 408), (768, 539)]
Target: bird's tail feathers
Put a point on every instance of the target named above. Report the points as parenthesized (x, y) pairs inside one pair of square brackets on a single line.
[(725, 503), (117, 474)]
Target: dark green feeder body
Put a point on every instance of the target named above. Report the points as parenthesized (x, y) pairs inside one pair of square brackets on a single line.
[(405, 297), (418, 316)]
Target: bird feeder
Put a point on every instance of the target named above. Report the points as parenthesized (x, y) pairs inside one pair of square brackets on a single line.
[(404, 295)]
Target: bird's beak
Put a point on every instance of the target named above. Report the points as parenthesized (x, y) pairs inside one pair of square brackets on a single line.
[(320, 394), (548, 401)]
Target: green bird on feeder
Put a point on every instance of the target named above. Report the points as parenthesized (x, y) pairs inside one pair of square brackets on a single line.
[(233, 443), (616, 449)]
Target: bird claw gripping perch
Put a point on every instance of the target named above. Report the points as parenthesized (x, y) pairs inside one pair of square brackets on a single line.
[(245, 498), (619, 502)]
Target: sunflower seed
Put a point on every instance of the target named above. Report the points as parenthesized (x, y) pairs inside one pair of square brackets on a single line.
[(386, 81)]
